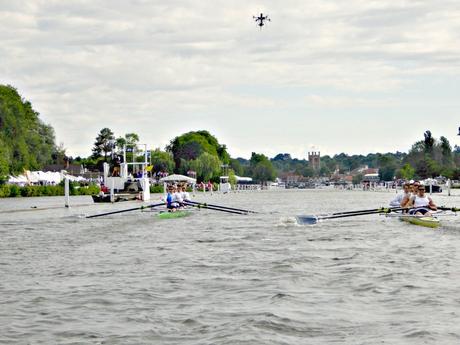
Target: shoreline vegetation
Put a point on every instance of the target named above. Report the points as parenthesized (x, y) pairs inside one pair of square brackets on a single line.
[(28, 144), (75, 188)]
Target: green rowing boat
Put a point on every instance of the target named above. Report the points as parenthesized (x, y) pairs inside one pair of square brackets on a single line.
[(172, 215), (429, 222)]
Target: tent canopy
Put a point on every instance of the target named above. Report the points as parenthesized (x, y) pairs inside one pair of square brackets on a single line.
[(178, 178)]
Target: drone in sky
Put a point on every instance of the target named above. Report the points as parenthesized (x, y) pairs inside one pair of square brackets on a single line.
[(260, 20)]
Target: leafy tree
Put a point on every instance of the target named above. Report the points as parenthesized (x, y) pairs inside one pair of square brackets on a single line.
[(132, 139), (433, 168), (191, 145), (257, 158), (263, 171), (357, 179), (387, 173), (261, 167), (120, 143), (206, 166), (162, 161), (446, 151), (407, 172), (26, 142), (429, 141), (232, 177), (4, 162), (105, 143), (306, 171), (237, 167), (388, 166), (282, 157)]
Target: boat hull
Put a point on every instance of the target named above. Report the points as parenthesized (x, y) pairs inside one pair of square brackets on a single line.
[(429, 222), (117, 197), (173, 215)]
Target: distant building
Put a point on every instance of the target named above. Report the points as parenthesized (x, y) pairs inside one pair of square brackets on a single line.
[(314, 158), (371, 178)]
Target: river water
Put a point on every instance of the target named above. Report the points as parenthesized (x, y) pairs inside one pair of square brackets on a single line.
[(218, 278)]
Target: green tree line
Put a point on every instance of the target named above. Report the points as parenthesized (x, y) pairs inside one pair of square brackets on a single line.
[(26, 143)]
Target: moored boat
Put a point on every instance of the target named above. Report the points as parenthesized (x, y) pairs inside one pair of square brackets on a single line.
[(116, 197)]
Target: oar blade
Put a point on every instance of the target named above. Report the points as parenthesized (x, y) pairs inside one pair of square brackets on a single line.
[(307, 220)]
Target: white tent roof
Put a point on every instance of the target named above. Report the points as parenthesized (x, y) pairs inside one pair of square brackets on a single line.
[(178, 178), (243, 179), (18, 179)]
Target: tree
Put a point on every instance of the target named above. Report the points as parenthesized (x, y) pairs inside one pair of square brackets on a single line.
[(357, 179), (263, 171), (387, 173), (120, 143), (59, 154), (282, 157), (162, 161), (191, 145), (429, 142), (237, 167), (232, 177), (306, 171), (206, 166), (105, 143), (407, 172), (261, 168), (132, 139), (26, 142), (4, 162), (446, 151), (388, 166)]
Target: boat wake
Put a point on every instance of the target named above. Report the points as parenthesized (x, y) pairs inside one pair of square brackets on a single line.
[(285, 222)]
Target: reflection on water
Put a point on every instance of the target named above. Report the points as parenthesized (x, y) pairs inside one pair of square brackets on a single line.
[(217, 278)]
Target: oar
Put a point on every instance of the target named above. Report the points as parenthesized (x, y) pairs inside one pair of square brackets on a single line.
[(311, 220), (223, 207), (127, 210), (213, 208), (360, 211), (453, 209)]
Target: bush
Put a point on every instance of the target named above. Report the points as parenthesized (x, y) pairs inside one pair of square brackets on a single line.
[(29, 191), (92, 189), (14, 190), (4, 191), (156, 189)]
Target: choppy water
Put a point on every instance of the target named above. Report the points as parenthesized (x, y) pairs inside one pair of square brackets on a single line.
[(216, 278)]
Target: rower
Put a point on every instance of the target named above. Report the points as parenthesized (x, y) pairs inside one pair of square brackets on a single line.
[(412, 192), (171, 203), (397, 201), (178, 196), (421, 203), (185, 195)]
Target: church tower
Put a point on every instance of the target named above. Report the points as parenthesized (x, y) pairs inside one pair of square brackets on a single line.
[(314, 158)]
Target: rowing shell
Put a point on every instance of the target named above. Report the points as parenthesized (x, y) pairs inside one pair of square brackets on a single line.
[(426, 221), (172, 215)]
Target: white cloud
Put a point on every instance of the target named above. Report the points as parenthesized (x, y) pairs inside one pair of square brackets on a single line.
[(156, 67)]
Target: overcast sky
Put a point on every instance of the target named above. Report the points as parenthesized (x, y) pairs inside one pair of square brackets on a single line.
[(354, 76)]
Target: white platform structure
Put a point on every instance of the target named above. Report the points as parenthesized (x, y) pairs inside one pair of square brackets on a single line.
[(117, 183), (224, 184)]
